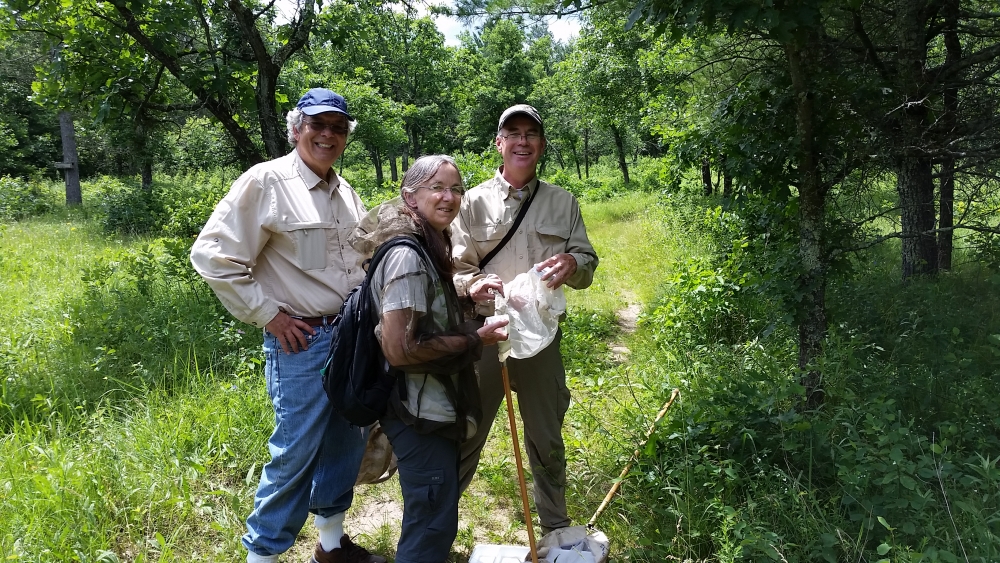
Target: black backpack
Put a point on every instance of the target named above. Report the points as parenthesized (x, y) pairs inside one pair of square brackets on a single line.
[(356, 377)]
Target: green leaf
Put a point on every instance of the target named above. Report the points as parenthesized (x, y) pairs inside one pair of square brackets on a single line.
[(884, 523), (883, 548)]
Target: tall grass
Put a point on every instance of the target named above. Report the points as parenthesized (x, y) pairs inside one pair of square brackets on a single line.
[(134, 416)]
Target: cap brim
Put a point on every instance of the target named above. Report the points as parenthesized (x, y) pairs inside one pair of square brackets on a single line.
[(315, 110), (515, 114)]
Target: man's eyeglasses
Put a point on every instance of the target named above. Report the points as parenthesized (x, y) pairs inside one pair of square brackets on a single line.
[(457, 191), (530, 137), (333, 128)]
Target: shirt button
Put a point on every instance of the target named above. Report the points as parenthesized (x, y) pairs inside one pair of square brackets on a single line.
[(520, 257), (348, 271)]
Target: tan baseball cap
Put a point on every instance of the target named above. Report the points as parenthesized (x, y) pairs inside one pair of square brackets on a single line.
[(519, 109)]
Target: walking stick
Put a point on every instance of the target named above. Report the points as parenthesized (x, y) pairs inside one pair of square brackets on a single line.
[(517, 461), (635, 456)]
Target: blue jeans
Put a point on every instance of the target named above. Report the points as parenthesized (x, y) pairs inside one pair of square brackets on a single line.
[(315, 453), (428, 476)]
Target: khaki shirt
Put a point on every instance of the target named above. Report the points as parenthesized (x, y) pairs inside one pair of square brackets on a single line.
[(552, 226), (278, 241)]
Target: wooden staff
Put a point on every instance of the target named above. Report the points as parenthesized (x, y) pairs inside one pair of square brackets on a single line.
[(517, 461)]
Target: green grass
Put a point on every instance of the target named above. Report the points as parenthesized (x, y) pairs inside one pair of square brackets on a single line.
[(155, 455), (134, 416)]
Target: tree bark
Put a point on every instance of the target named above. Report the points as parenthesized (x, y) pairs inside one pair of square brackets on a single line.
[(946, 210), (373, 152), (706, 176), (915, 184), (914, 173), (812, 207), (727, 180), (620, 149), (74, 195), (146, 173), (272, 131), (586, 151), (393, 170), (576, 160)]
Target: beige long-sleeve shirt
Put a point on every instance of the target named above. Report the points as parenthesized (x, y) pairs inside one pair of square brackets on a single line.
[(278, 241), (553, 225)]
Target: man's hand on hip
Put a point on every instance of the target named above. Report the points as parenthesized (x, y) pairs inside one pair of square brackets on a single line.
[(557, 269), (289, 332)]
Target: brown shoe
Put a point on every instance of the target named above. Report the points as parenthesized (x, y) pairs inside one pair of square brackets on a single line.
[(348, 552)]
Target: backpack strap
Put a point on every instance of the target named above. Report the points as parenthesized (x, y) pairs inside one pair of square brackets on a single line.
[(513, 228)]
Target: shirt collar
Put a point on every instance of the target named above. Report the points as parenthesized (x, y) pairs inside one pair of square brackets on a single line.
[(312, 180), (507, 190)]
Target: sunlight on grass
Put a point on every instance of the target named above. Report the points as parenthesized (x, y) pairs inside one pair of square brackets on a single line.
[(637, 250)]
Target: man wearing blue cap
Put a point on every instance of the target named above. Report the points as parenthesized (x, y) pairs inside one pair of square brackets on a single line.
[(275, 252)]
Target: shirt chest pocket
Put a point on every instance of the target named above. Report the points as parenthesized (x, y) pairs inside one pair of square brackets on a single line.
[(311, 242), (484, 233), (553, 238)]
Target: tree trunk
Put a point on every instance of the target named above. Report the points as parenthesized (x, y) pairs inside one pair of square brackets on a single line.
[(146, 173), (74, 196), (812, 204), (947, 214), (376, 157), (620, 148), (393, 170), (915, 184), (405, 159), (914, 173), (576, 160), (586, 151), (727, 180), (946, 210), (272, 130), (706, 176)]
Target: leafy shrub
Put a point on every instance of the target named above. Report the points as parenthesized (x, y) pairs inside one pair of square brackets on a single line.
[(20, 199), (189, 200), (202, 144), (477, 168), (126, 208), (146, 314), (986, 248)]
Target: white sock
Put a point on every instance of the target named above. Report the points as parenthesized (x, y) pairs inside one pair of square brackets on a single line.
[(331, 529), (254, 558)]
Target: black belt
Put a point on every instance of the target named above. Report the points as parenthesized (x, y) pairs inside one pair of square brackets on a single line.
[(319, 321)]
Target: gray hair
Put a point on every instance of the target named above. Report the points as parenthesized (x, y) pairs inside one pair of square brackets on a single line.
[(294, 119), (422, 169)]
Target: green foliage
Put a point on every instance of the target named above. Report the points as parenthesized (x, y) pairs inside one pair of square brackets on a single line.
[(189, 199), (127, 208), (198, 145), (476, 168), (20, 199)]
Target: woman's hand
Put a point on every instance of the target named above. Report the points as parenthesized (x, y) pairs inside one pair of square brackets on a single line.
[(484, 288), (493, 333)]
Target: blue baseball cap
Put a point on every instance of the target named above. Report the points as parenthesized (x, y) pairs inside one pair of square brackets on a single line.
[(321, 100)]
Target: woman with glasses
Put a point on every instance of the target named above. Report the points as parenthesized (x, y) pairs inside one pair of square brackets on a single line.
[(435, 404)]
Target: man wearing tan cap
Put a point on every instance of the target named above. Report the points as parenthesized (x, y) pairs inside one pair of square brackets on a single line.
[(551, 236)]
